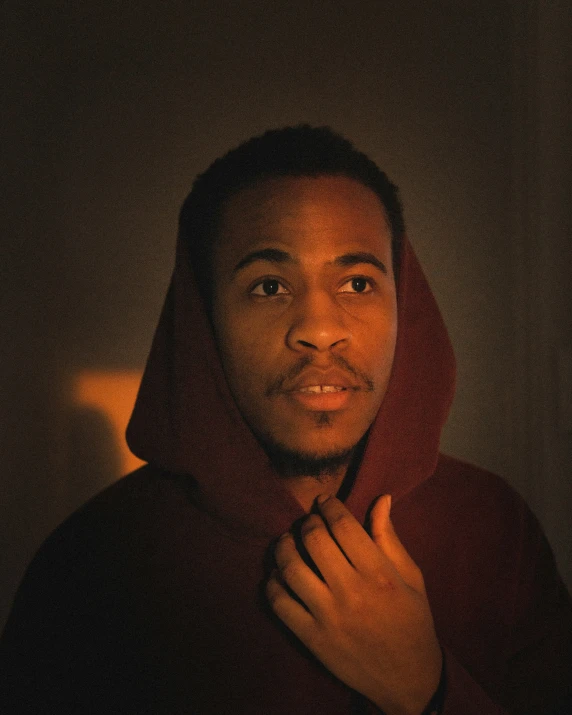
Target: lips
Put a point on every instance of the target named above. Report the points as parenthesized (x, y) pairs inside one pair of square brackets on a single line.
[(322, 391), (321, 382), (317, 389)]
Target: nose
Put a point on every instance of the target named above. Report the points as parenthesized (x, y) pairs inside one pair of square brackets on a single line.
[(317, 324)]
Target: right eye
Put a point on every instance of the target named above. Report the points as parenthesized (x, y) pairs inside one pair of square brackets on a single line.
[(269, 287)]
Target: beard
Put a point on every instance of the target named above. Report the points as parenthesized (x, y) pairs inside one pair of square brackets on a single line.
[(322, 467)]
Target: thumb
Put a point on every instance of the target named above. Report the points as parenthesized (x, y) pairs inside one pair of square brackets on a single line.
[(379, 518), (384, 536)]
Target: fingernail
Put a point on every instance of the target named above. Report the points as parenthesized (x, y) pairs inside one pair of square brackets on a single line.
[(321, 498)]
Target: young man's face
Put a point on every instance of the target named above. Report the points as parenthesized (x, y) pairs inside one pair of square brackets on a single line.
[(305, 310)]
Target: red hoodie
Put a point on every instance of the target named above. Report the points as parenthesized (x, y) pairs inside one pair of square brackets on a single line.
[(150, 598)]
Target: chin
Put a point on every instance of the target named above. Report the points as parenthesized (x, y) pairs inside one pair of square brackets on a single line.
[(322, 458), (290, 463)]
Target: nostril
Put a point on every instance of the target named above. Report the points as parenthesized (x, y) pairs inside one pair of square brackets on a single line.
[(313, 346), (317, 333)]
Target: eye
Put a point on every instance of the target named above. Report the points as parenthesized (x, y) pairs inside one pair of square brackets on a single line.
[(357, 285), (268, 288)]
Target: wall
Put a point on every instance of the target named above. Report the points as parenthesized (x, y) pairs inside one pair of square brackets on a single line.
[(110, 111)]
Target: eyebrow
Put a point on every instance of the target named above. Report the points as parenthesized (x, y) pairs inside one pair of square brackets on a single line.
[(352, 259), (275, 255)]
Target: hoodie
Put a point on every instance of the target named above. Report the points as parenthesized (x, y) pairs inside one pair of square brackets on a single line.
[(150, 598)]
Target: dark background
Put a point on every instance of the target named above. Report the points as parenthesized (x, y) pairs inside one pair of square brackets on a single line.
[(110, 109)]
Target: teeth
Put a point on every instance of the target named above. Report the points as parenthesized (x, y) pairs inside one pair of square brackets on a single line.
[(322, 388)]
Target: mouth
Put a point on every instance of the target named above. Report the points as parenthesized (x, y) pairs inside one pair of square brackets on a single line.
[(323, 390), (318, 389), (322, 398)]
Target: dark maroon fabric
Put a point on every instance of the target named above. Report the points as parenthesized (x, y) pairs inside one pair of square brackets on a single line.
[(150, 598)]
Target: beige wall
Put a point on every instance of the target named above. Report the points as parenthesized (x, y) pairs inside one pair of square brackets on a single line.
[(110, 110)]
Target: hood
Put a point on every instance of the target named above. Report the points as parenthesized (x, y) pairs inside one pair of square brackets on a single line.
[(185, 420)]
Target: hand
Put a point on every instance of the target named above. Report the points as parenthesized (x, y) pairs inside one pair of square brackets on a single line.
[(367, 619)]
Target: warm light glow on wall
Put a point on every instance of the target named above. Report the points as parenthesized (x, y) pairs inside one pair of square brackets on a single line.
[(112, 393)]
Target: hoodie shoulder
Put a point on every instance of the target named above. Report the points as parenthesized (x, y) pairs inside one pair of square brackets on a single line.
[(114, 523), (467, 483)]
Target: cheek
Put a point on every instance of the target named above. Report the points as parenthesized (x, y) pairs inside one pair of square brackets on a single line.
[(380, 344)]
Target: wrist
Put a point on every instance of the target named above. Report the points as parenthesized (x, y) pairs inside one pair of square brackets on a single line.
[(415, 703), (437, 702)]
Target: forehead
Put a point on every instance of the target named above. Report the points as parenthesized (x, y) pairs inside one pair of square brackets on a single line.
[(302, 214)]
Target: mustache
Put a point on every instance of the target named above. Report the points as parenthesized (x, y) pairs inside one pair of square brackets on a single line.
[(338, 361)]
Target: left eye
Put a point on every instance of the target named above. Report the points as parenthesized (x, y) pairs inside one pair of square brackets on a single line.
[(356, 285), (269, 287)]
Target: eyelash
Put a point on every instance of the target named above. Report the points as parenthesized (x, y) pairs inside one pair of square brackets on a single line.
[(369, 281), (370, 286), (266, 295)]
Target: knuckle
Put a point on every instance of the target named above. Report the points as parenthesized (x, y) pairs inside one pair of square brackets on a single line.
[(283, 549), (341, 523), (313, 534), (276, 600), (274, 593), (272, 589), (311, 522), (312, 529), (290, 572)]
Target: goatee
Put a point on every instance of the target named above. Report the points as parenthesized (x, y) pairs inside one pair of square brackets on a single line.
[(322, 467)]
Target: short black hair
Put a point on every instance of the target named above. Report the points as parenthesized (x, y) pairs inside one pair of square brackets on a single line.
[(296, 151)]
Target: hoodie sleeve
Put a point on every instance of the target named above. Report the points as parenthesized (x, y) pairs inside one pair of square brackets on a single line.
[(463, 694), (533, 675), (538, 653)]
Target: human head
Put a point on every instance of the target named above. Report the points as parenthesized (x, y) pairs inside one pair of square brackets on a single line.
[(304, 314), (310, 192), (301, 150)]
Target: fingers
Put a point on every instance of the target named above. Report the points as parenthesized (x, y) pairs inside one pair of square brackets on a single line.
[(379, 518), (326, 553), (349, 535), (298, 575), (342, 550), (294, 615), (384, 536)]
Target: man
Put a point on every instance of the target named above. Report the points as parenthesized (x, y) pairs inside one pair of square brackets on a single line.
[(295, 544)]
